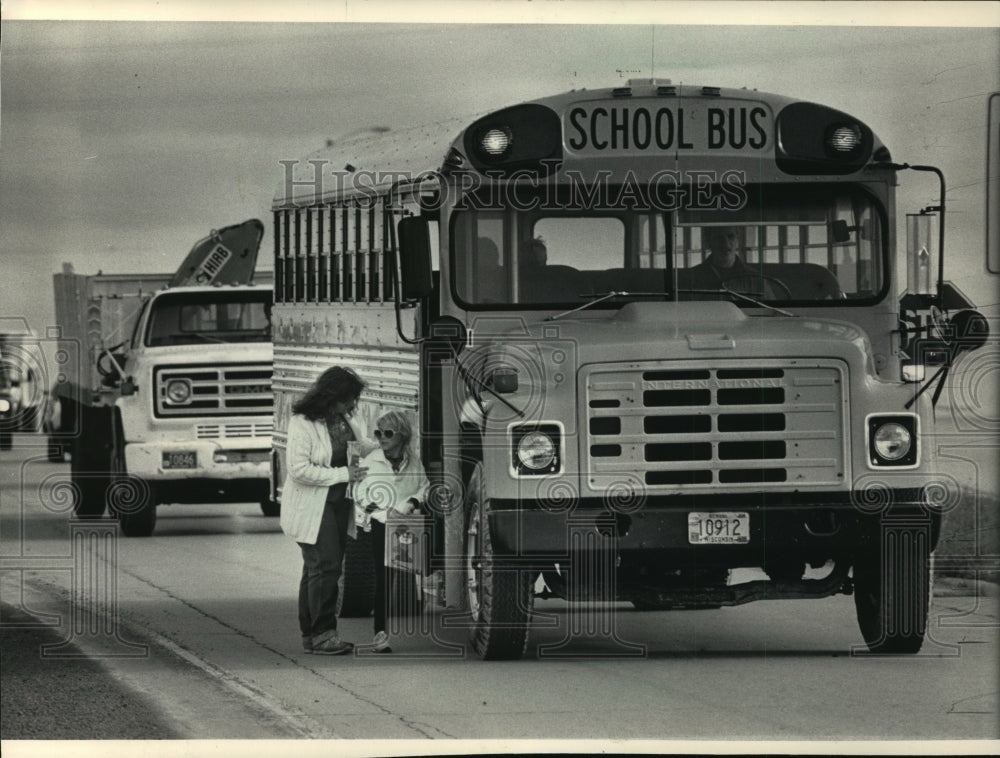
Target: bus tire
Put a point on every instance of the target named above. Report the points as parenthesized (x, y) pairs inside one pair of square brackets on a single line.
[(499, 598), (892, 590), (6, 440), (356, 597), (270, 508)]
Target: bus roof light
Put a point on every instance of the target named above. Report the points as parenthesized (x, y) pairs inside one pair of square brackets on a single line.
[(666, 90), (621, 92), (711, 91)]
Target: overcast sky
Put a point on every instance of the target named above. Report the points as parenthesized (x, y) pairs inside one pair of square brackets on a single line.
[(121, 143)]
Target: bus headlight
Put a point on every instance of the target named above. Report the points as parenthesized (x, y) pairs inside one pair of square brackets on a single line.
[(892, 440), (178, 391), (536, 449)]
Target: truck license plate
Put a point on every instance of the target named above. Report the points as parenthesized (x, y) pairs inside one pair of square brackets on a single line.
[(180, 459), (722, 528)]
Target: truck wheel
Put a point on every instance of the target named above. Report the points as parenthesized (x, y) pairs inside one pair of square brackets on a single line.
[(91, 461), (270, 508), (134, 503), (90, 488), (6, 440), (91, 492), (131, 500), (357, 580), (892, 589), (140, 523), (499, 597)]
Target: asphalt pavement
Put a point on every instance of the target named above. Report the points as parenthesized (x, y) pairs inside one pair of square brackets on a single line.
[(67, 697)]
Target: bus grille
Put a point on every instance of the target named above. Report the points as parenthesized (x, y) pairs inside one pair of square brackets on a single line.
[(223, 390), (674, 427)]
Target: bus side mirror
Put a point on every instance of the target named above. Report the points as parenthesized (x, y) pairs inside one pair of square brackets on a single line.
[(840, 230), (415, 258)]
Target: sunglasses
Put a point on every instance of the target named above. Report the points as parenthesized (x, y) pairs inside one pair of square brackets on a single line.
[(387, 433)]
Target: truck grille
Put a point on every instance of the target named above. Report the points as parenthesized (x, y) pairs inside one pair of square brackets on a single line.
[(685, 427), (233, 431), (232, 390)]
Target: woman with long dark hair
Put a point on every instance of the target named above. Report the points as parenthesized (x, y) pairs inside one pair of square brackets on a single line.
[(315, 511)]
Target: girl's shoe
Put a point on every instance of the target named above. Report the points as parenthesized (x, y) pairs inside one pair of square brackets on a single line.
[(381, 643)]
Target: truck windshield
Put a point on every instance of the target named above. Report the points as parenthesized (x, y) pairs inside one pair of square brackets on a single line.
[(807, 245), (190, 318)]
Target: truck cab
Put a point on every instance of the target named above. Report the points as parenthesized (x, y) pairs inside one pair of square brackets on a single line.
[(193, 419), (167, 391)]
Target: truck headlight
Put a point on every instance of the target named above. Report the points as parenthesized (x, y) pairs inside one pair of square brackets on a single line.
[(178, 391), (536, 449), (892, 440)]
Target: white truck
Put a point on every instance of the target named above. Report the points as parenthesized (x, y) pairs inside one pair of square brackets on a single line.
[(164, 383)]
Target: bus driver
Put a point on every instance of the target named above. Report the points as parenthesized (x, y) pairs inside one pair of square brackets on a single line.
[(724, 244)]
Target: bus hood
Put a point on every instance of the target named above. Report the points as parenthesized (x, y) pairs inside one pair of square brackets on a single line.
[(690, 330)]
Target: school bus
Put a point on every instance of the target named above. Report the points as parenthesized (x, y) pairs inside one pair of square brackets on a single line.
[(606, 413)]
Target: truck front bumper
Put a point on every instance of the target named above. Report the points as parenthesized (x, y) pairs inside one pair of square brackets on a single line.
[(228, 459)]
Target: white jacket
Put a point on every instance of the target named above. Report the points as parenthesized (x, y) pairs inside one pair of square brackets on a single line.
[(387, 489), (309, 475)]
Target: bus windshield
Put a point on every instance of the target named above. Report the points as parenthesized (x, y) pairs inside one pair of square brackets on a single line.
[(191, 318), (807, 245)]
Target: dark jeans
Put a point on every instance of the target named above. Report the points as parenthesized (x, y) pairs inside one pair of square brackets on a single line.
[(321, 567), (389, 582), (382, 575)]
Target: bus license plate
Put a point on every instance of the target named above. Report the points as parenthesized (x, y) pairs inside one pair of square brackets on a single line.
[(722, 528), (180, 459)]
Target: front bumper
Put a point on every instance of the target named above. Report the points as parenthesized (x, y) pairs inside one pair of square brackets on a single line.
[(232, 459), (811, 527)]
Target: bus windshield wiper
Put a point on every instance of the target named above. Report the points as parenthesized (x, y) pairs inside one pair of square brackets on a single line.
[(740, 295), (600, 299)]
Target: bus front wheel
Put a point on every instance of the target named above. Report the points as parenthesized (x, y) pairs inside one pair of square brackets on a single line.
[(892, 590), (499, 597)]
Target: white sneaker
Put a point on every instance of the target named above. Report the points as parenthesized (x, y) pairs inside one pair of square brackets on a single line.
[(381, 643)]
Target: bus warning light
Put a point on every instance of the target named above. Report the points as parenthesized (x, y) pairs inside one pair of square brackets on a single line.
[(844, 139), (497, 141)]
